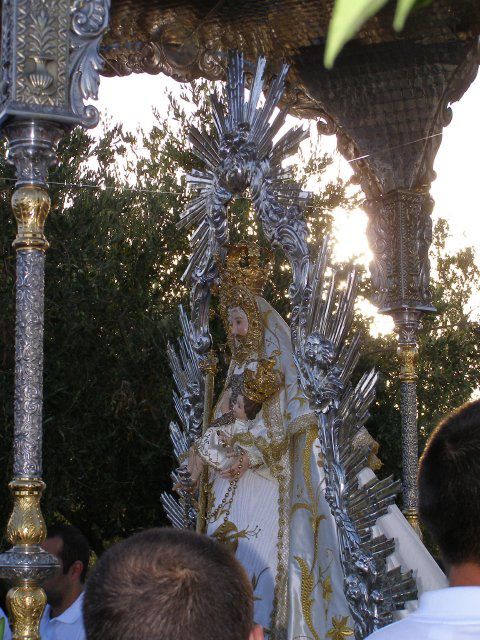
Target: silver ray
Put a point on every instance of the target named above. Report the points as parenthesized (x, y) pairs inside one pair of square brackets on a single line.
[(242, 155), (325, 361), (188, 399)]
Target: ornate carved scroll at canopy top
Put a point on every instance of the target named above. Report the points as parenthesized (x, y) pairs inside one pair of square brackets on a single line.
[(183, 32), (50, 59)]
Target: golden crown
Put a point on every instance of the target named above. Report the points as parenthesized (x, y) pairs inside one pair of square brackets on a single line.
[(244, 267), (261, 384)]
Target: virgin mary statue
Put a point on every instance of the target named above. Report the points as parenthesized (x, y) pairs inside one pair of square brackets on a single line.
[(265, 490)]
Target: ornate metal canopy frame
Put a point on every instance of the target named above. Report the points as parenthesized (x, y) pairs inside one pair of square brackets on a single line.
[(243, 156), (50, 66)]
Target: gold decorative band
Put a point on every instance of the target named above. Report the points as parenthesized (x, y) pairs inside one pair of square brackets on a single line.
[(408, 355), (26, 603), (26, 529), (31, 205), (209, 363), (412, 517)]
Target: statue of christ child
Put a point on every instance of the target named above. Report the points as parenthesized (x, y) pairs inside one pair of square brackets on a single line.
[(218, 446)]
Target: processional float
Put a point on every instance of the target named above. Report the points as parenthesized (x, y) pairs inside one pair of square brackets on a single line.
[(244, 157)]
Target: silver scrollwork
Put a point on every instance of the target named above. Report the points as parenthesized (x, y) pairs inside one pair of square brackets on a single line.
[(325, 362), (7, 37), (32, 149), (400, 234), (17, 565), (408, 395), (89, 22)]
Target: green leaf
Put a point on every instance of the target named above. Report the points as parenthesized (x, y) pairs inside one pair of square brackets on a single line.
[(347, 18), (403, 10)]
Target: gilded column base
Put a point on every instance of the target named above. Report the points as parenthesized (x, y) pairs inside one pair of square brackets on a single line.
[(26, 565), (26, 603), (26, 526)]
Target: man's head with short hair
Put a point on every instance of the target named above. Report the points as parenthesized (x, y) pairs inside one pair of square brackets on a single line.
[(71, 547), (449, 485), (74, 547), (169, 584)]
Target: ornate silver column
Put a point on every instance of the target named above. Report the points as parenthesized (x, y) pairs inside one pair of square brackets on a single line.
[(32, 151), (49, 66), (400, 234)]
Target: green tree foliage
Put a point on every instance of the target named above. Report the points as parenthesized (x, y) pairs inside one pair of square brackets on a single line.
[(113, 283)]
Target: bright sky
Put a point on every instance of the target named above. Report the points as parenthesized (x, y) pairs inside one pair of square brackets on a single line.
[(131, 99)]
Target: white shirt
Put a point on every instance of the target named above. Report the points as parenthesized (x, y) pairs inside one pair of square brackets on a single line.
[(67, 626), (445, 614), (7, 634)]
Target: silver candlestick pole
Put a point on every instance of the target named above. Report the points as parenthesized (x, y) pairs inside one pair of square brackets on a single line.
[(49, 66), (407, 323), (32, 150)]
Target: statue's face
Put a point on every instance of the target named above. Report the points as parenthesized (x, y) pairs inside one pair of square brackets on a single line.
[(237, 322)]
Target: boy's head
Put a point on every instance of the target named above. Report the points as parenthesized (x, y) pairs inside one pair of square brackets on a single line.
[(169, 584), (245, 409), (449, 485)]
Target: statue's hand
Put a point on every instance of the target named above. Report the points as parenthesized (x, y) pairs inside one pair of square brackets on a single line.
[(183, 488), (186, 484), (239, 465)]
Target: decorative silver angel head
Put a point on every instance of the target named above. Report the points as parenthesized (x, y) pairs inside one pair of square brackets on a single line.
[(237, 154), (319, 352), (354, 589), (364, 562)]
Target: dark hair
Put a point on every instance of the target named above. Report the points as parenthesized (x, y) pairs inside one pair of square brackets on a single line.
[(168, 584), (75, 546), (251, 407), (449, 485)]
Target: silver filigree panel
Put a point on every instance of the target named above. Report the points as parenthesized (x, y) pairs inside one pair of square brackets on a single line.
[(29, 364)]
